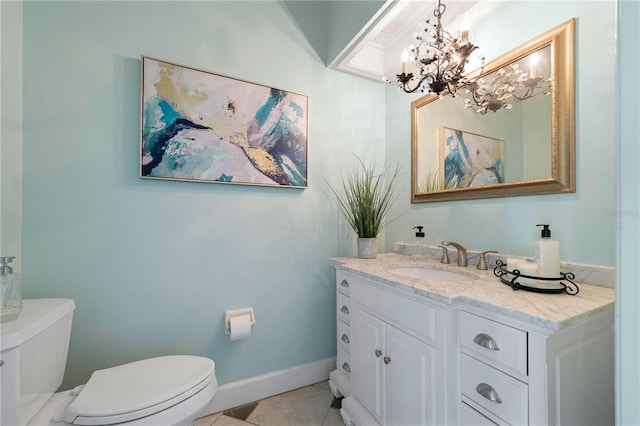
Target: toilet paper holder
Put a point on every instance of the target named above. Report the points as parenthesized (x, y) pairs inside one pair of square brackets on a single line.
[(234, 313)]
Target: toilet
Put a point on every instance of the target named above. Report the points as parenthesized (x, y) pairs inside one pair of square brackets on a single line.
[(167, 390)]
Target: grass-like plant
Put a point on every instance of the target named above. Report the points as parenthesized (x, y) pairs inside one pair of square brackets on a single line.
[(366, 197), (432, 182)]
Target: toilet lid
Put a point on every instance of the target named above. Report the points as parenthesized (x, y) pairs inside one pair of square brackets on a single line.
[(138, 389)]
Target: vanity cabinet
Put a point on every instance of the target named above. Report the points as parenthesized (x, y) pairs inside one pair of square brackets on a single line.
[(387, 362), (410, 352), (493, 369), (514, 373), (393, 357), (340, 378)]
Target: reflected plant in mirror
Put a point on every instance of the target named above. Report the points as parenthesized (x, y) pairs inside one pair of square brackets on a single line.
[(434, 182), (510, 134)]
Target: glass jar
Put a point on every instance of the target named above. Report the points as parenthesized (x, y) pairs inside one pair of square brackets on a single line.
[(11, 291)]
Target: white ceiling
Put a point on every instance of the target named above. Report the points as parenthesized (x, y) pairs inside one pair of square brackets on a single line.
[(376, 50)]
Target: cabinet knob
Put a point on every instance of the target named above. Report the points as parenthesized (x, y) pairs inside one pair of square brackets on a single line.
[(345, 338), (344, 283), (486, 341), (346, 367), (488, 392), (378, 353), (344, 309), (386, 360)]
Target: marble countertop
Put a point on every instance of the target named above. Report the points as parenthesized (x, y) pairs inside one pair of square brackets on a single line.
[(549, 311)]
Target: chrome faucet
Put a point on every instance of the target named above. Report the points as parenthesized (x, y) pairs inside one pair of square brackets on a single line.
[(462, 252)]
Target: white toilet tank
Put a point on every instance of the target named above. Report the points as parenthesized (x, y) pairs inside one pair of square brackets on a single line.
[(33, 358)]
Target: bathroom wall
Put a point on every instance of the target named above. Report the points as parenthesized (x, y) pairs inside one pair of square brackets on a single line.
[(11, 131), (628, 215), (344, 19), (583, 221), (152, 265)]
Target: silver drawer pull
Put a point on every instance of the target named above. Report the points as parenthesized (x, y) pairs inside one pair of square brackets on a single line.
[(345, 338), (386, 360), (344, 283), (346, 367), (486, 341), (488, 392), (344, 309), (378, 353)]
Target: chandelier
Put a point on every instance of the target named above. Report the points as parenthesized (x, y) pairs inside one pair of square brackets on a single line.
[(509, 82), (439, 57)]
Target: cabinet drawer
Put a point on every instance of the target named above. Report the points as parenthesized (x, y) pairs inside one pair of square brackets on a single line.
[(411, 316), (471, 417), (495, 391), (343, 307), (343, 284), (344, 339), (498, 344), (343, 361)]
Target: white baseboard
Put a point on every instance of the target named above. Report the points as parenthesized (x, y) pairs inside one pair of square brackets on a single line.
[(252, 389)]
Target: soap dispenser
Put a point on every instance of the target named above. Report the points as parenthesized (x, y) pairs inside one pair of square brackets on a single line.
[(11, 296), (420, 248), (547, 253)]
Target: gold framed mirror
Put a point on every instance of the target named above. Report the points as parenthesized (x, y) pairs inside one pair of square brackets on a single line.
[(511, 133)]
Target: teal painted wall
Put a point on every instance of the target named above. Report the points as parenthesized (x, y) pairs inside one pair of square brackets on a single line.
[(331, 24), (152, 265), (581, 221), (628, 248), (346, 20), (11, 131)]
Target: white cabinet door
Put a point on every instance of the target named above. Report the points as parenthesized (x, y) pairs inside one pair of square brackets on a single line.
[(393, 372), (410, 374), (367, 364)]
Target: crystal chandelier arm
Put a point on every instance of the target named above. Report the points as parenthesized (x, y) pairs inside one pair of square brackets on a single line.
[(440, 59), (405, 79)]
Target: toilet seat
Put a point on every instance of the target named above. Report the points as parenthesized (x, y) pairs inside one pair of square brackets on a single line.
[(139, 389)]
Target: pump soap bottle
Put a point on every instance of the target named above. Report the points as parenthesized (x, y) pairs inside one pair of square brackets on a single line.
[(11, 293), (547, 253), (420, 248)]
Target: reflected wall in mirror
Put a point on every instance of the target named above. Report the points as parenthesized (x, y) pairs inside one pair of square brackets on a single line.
[(511, 133)]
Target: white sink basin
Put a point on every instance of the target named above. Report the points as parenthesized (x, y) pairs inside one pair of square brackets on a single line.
[(431, 274)]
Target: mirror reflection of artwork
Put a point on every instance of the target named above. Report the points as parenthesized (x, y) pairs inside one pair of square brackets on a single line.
[(470, 160)]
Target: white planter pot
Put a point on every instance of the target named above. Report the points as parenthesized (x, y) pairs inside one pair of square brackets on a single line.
[(367, 248)]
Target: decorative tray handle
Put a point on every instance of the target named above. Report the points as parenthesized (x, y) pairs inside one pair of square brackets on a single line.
[(510, 278)]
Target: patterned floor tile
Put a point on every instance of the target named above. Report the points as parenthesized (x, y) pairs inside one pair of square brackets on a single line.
[(306, 406), (312, 405), (333, 418), (242, 412), (207, 420), (230, 421)]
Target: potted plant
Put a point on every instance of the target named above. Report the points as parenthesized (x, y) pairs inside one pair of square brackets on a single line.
[(365, 199)]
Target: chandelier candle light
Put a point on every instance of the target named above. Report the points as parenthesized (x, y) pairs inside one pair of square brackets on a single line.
[(509, 82), (440, 59)]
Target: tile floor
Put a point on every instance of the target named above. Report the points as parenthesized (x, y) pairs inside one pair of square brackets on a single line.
[(308, 406)]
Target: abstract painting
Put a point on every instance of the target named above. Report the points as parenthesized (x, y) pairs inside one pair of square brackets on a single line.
[(199, 126), (469, 160)]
